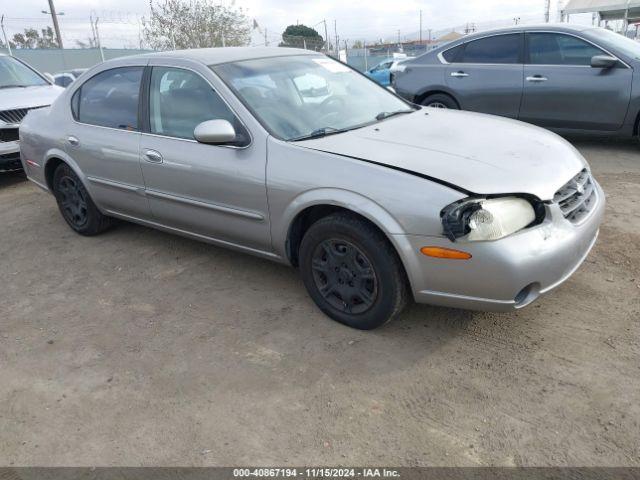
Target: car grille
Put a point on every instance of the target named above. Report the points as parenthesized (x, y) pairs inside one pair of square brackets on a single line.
[(10, 162), (577, 198), (16, 115), (8, 134)]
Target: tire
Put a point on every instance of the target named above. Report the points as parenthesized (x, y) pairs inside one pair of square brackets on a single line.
[(75, 204), (352, 272), (440, 100)]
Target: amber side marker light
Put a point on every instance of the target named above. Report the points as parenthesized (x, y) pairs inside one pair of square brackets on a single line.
[(440, 252)]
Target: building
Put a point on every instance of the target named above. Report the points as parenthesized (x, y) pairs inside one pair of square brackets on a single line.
[(607, 10)]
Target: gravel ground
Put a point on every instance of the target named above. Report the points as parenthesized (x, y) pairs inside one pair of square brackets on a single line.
[(141, 348)]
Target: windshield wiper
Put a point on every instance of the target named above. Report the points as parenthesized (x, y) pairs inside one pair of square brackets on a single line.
[(14, 86), (385, 115), (319, 133)]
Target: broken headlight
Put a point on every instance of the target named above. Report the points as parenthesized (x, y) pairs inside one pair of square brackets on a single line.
[(482, 219)]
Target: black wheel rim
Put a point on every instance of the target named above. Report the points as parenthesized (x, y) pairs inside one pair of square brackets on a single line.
[(73, 202), (344, 276)]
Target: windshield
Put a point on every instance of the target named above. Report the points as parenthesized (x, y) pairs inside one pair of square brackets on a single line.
[(15, 74), (625, 45), (306, 96)]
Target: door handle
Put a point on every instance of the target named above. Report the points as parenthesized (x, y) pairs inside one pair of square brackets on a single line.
[(153, 156), (537, 78), (459, 74), (73, 140)]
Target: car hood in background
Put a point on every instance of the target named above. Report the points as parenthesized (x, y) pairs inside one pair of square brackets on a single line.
[(28, 97), (482, 154)]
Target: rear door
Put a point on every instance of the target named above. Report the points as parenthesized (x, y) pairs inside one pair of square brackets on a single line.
[(485, 75), (104, 139), (562, 90)]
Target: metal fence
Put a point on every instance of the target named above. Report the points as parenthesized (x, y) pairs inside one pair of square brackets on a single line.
[(55, 60)]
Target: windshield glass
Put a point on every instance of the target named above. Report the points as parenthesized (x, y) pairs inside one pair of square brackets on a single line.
[(15, 74), (301, 96), (625, 45)]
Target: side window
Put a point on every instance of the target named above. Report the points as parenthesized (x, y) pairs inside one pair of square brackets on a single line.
[(110, 99), (181, 99), (454, 54), (75, 104), (497, 49), (558, 49)]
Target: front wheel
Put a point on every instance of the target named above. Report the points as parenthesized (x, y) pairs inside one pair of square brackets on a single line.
[(75, 204), (352, 272)]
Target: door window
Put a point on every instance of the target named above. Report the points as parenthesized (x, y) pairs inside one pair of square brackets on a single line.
[(558, 49), (110, 99), (181, 99), (497, 49)]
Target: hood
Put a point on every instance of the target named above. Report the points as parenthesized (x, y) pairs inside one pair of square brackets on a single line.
[(477, 153), (28, 97)]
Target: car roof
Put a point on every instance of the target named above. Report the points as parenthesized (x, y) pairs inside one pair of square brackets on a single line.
[(216, 56), (555, 27)]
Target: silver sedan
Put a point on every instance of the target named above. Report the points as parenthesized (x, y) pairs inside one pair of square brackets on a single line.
[(297, 158)]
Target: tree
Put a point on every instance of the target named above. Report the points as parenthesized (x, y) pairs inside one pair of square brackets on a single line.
[(31, 38), (301, 36), (178, 24)]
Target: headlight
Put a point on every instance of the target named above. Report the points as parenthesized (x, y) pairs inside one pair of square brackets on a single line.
[(478, 219)]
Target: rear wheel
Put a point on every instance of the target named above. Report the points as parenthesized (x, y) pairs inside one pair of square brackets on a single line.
[(440, 100), (76, 205), (352, 272)]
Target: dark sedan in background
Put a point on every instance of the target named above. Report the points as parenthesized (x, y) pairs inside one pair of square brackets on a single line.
[(563, 77)]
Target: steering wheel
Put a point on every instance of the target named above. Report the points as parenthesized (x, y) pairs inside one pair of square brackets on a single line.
[(338, 105), (327, 102)]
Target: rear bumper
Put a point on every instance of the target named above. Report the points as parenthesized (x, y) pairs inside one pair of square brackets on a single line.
[(506, 274)]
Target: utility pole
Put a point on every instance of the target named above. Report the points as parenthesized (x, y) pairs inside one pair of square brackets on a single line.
[(420, 27), (547, 10), (326, 36), (54, 17), (366, 63), (98, 38), (266, 41), (4, 33), (335, 31)]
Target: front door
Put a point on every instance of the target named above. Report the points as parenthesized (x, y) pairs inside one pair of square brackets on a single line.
[(562, 90), (485, 75), (105, 140), (217, 191)]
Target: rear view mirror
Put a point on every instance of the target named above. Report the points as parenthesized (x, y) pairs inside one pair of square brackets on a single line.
[(603, 61), (215, 132)]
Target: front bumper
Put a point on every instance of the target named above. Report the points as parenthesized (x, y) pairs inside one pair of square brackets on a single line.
[(10, 156), (506, 274)]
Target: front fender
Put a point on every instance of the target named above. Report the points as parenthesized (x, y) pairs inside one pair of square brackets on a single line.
[(346, 199)]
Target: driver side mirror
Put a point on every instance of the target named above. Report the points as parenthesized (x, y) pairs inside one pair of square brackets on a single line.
[(603, 61), (215, 132)]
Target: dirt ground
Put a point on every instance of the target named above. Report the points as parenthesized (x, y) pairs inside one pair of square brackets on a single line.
[(142, 348)]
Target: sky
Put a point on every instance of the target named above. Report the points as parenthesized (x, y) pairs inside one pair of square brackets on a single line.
[(367, 20)]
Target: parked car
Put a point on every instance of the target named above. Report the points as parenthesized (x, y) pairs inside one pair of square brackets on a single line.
[(21, 89), (373, 199), (567, 78), (383, 72), (64, 79)]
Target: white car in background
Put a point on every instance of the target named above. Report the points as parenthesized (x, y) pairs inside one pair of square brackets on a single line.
[(22, 88)]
